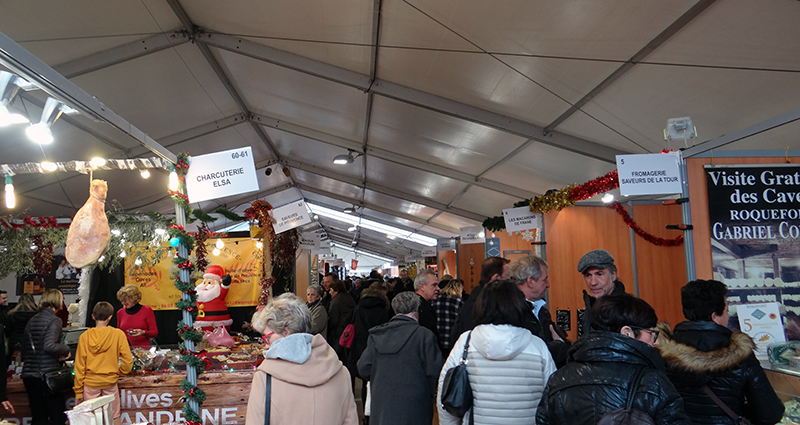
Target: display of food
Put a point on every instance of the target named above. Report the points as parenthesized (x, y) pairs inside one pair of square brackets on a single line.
[(245, 355), (89, 234)]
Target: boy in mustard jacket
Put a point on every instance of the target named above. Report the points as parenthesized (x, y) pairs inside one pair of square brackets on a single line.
[(97, 366)]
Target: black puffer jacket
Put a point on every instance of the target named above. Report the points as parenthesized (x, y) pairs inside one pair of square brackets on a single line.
[(598, 377), (45, 331), (15, 330), (372, 310), (705, 353)]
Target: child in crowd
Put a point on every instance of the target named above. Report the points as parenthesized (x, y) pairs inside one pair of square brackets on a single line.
[(97, 366)]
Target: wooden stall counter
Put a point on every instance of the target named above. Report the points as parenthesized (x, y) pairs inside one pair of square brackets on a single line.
[(156, 399)]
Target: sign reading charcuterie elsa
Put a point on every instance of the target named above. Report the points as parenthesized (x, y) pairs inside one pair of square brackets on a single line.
[(754, 203), (221, 174)]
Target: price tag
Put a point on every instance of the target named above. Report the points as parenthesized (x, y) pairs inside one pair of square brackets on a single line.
[(221, 174)]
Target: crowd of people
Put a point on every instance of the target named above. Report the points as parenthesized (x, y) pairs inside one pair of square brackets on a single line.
[(522, 368)]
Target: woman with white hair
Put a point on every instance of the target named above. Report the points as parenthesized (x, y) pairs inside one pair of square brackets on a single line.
[(297, 366)]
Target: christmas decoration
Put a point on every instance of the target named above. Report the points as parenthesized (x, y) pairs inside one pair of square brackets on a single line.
[(258, 215), (528, 235), (639, 231), (212, 310)]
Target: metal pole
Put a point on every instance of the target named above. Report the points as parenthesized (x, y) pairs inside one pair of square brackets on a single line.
[(686, 213), (183, 252)]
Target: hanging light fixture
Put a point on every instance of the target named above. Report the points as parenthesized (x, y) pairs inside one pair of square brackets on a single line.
[(40, 132), (11, 201), (346, 158), (8, 89), (173, 181), (349, 210)]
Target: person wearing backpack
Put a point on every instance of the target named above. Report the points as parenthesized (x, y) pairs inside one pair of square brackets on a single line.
[(614, 362)]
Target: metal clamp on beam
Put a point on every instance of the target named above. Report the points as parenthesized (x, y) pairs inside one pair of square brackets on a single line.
[(675, 201)]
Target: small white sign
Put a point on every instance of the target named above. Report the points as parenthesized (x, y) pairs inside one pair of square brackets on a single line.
[(519, 219), (762, 322), (309, 240), (470, 235), (649, 174), (338, 262), (290, 216), (446, 245), (411, 258), (321, 252), (221, 174), (428, 251)]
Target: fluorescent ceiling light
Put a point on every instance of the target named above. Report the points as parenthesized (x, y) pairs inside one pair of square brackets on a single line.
[(343, 159), (372, 225), (359, 252)]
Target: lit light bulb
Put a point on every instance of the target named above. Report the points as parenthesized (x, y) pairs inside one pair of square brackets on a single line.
[(160, 231), (102, 257), (482, 235), (173, 181), (49, 166), (215, 251), (219, 244), (145, 174), (97, 162), (259, 244), (40, 133), (11, 200), (138, 262), (122, 254), (33, 247), (608, 198), (115, 232)]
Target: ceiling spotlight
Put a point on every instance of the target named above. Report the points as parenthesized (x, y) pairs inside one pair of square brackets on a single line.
[(352, 229), (97, 162), (316, 217), (346, 159), (8, 89), (49, 166), (349, 210), (608, 198), (40, 132), (680, 128), (145, 174)]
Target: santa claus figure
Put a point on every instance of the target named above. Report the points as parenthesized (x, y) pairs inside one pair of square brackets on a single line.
[(212, 309)]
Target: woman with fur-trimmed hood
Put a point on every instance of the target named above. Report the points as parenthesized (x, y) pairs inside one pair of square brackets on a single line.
[(702, 351)]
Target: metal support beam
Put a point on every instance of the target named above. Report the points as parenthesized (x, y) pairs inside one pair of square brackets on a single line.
[(384, 190), (409, 95), (375, 207), (199, 131), (119, 54), (752, 130), (393, 157), (24, 64)]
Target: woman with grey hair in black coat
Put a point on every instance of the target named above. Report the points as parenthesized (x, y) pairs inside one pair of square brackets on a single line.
[(402, 362)]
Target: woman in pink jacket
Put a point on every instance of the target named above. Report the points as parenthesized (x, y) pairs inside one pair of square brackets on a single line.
[(300, 367)]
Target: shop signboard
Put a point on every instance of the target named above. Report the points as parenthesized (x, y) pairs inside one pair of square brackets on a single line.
[(470, 235), (754, 217), (428, 251), (519, 219), (290, 216), (239, 257), (762, 322), (446, 245), (221, 174), (309, 240), (649, 174)]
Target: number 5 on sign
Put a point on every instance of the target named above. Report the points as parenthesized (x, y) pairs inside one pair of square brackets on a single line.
[(762, 322)]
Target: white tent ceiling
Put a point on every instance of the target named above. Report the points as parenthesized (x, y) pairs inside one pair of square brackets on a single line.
[(461, 108)]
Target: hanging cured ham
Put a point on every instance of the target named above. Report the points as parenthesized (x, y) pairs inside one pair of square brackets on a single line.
[(89, 232)]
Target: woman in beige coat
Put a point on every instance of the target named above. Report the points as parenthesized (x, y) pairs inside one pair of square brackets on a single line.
[(303, 369)]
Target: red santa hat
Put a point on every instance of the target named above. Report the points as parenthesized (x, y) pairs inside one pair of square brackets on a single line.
[(214, 272)]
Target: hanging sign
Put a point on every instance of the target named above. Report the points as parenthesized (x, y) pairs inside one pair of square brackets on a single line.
[(649, 174), (309, 240), (410, 258), (290, 216), (762, 322), (518, 219), (353, 264), (474, 234), (221, 174), (428, 251), (446, 245)]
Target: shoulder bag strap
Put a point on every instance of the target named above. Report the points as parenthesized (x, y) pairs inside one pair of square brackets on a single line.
[(267, 396), (634, 387), (466, 348), (720, 403)]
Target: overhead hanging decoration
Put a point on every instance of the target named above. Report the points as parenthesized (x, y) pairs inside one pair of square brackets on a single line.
[(655, 240), (258, 215)]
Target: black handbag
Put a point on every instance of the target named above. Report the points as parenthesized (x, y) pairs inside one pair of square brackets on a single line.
[(59, 380), (456, 395)]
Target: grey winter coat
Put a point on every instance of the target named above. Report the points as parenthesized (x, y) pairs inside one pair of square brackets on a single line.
[(402, 362), (45, 331)]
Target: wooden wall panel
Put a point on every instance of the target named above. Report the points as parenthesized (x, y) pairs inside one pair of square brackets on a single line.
[(470, 273), (302, 273), (571, 233), (661, 269), (698, 197)]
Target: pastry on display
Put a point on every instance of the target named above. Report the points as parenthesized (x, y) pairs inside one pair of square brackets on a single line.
[(89, 233)]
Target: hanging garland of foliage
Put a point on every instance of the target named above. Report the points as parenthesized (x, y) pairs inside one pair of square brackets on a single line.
[(258, 215), (17, 237), (655, 240), (284, 248), (497, 223)]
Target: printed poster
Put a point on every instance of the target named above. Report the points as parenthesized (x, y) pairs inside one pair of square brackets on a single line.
[(240, 258)]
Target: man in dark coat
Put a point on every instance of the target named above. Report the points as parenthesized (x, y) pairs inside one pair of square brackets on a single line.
[(493, 268), (3, 398), (402, 362), (532, 275), (600, 273), (426, 286), (703, 352)]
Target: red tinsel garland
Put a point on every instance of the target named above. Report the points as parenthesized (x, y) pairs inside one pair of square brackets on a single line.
[(639, 231), (35, 222), (593, 187)]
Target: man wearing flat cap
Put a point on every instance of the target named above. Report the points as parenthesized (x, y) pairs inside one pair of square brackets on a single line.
[(600, 274)]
